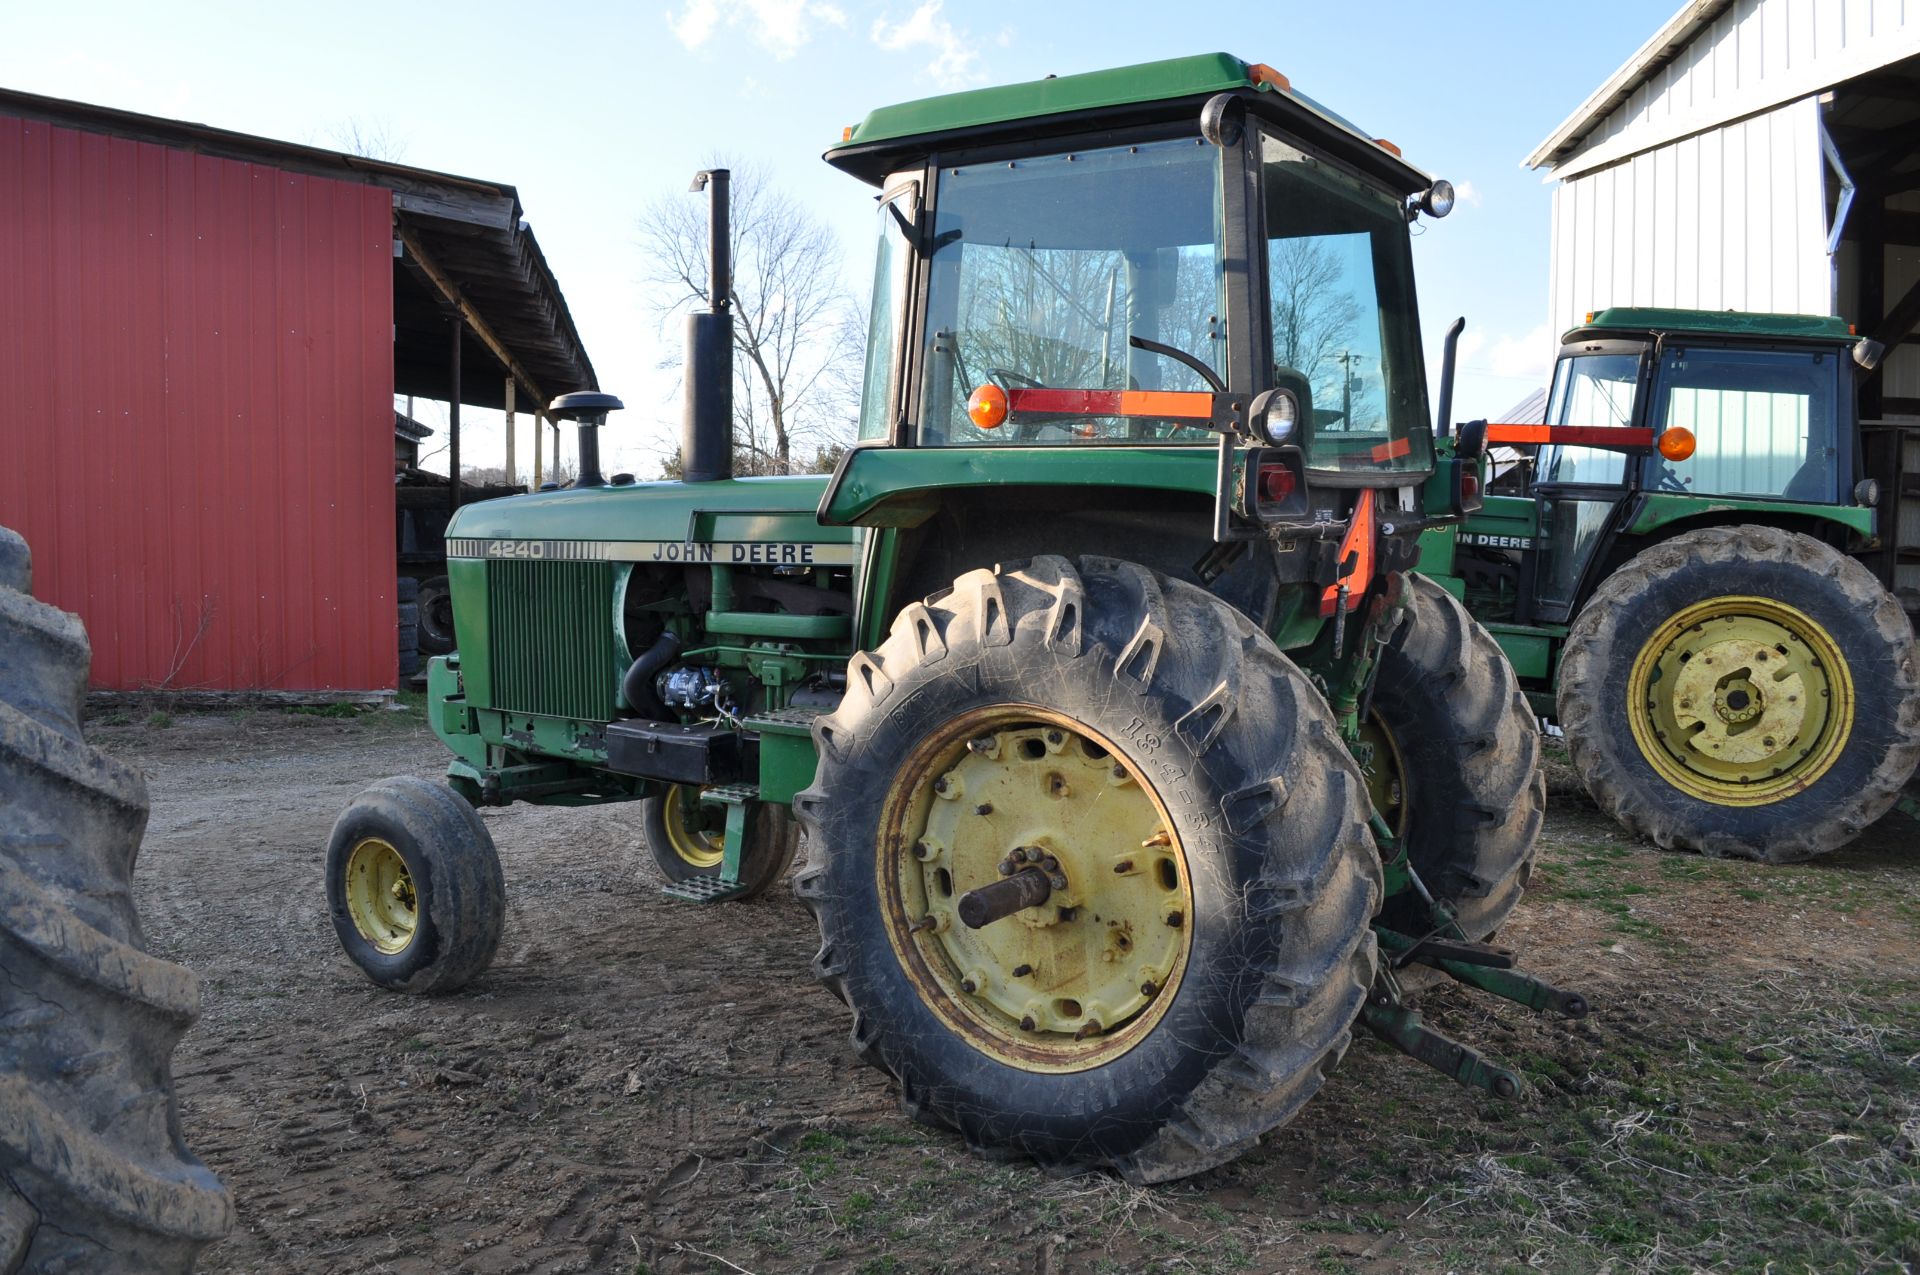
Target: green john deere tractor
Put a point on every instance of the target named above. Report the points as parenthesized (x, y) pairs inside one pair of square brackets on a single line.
[(1702, 577), (1133, 764)]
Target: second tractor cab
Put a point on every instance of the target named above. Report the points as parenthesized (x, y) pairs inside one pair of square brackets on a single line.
[(1698, 580), (1134, 767)]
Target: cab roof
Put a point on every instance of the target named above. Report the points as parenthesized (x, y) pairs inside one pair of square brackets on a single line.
[(1751, 325), (892, 135)]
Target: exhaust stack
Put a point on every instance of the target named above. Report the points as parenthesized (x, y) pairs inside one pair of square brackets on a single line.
[(706, 432)]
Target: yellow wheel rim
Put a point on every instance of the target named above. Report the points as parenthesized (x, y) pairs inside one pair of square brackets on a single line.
[(1385, 772), (689, 839), (380, 896), (1080, 979), (1740, 701)]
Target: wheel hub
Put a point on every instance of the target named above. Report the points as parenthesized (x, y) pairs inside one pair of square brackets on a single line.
[(1075, 978), (380, 896), (1740, 700)]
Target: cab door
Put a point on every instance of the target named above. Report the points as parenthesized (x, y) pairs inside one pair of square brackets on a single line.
[(1582, 490)]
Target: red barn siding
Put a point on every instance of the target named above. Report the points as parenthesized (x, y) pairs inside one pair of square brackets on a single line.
[(196, 410)]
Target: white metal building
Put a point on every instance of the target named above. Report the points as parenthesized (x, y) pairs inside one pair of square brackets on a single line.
[(1752, 155)]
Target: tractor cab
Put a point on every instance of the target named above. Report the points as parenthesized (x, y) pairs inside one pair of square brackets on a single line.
[(1185, 274), (1655, 416)]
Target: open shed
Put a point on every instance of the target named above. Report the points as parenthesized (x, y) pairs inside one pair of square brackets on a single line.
[(1753, 155), (206, 334)]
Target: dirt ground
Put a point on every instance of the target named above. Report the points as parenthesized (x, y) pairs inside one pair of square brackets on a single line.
[(644, 1085)]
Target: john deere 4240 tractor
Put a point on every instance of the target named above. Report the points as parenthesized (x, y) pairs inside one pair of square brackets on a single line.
[(1698, 578), (1132, 763)]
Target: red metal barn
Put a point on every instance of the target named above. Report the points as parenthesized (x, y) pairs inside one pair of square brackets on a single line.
[(201, 334)]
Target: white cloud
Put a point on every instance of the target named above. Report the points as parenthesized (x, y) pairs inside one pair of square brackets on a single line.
[(781, 27), (1528, 357), (1467, 193), (956, 55)]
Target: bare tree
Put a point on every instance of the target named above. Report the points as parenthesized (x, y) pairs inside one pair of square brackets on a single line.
[(795, 330), (369, 139), (1314, 318)]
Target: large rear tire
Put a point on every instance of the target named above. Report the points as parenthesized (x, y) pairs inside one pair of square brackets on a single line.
[(1195, 972), (1742, 691), (94, 1172), (1454, 736)]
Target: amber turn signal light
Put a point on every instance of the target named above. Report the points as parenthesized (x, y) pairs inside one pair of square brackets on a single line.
[(1676, 442), (987, 407)]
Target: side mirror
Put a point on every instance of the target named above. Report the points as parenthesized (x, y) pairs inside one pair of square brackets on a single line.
[(1868, 352)]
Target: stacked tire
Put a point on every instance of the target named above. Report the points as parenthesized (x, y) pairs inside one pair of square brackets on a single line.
[(408, 594), (94, 1172)]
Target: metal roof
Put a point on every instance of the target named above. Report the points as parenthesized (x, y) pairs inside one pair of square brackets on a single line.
[(467, 246), (1666, 45)]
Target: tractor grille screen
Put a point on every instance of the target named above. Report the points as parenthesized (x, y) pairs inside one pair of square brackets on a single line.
[(550, 636)]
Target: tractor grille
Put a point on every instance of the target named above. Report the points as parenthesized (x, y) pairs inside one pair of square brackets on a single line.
[(550, 638)]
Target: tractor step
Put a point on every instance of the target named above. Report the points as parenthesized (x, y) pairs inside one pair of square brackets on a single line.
[(726, 883), (730, 794), (704, 890)]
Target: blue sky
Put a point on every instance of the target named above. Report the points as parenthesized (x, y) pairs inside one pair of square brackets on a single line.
[(592, 111)]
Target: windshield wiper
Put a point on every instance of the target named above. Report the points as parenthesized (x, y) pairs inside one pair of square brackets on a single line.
[(1206, 373)]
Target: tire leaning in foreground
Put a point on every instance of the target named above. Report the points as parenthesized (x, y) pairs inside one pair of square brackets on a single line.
[(1138, 753), (94, 1172), (1742, 691)]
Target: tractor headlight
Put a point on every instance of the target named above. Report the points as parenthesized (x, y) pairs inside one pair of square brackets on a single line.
[(1437, 199), (1281, 420)]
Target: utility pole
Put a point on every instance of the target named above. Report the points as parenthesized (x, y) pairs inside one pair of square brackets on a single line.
[(1346, 358)]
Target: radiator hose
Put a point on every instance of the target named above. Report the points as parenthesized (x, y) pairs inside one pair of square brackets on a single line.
[(637, 685)]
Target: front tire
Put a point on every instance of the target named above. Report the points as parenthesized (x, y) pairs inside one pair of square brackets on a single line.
[(1190, 789), (1464, 752), (414, 886), (686, 838), (1742, 691), (436, 616)]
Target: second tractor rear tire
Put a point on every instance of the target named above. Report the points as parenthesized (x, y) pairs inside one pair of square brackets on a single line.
[(1742, 691), (1181, 789), (1449, 711)]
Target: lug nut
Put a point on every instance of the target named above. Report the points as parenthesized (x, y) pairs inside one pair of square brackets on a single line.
[(1054, 737), (1026, 1023), (1057, 880), (1149, 989), (940, 784), (981, 744), (1119, 771), (984, 808), (1090, 1028), (1123, 867), (1021, 971), (1176, 919), (1049, 862), (922, 851), (925, 923), (967, 986), (1160, 838), (1006, 867)]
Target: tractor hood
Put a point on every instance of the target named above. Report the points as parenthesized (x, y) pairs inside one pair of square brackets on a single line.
[(729, 521)]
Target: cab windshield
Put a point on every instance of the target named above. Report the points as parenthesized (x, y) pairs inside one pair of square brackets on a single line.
[(1040, 272), (1341, 311)]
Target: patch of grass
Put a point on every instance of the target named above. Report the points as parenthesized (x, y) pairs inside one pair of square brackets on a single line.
[(338, 712), (160, 720)]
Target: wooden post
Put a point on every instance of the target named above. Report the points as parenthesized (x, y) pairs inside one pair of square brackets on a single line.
[(453, 417), (513, 473)]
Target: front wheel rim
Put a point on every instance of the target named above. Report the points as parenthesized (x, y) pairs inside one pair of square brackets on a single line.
[(689, 840), (1741, 701), (381, 898), (1080, 979)]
